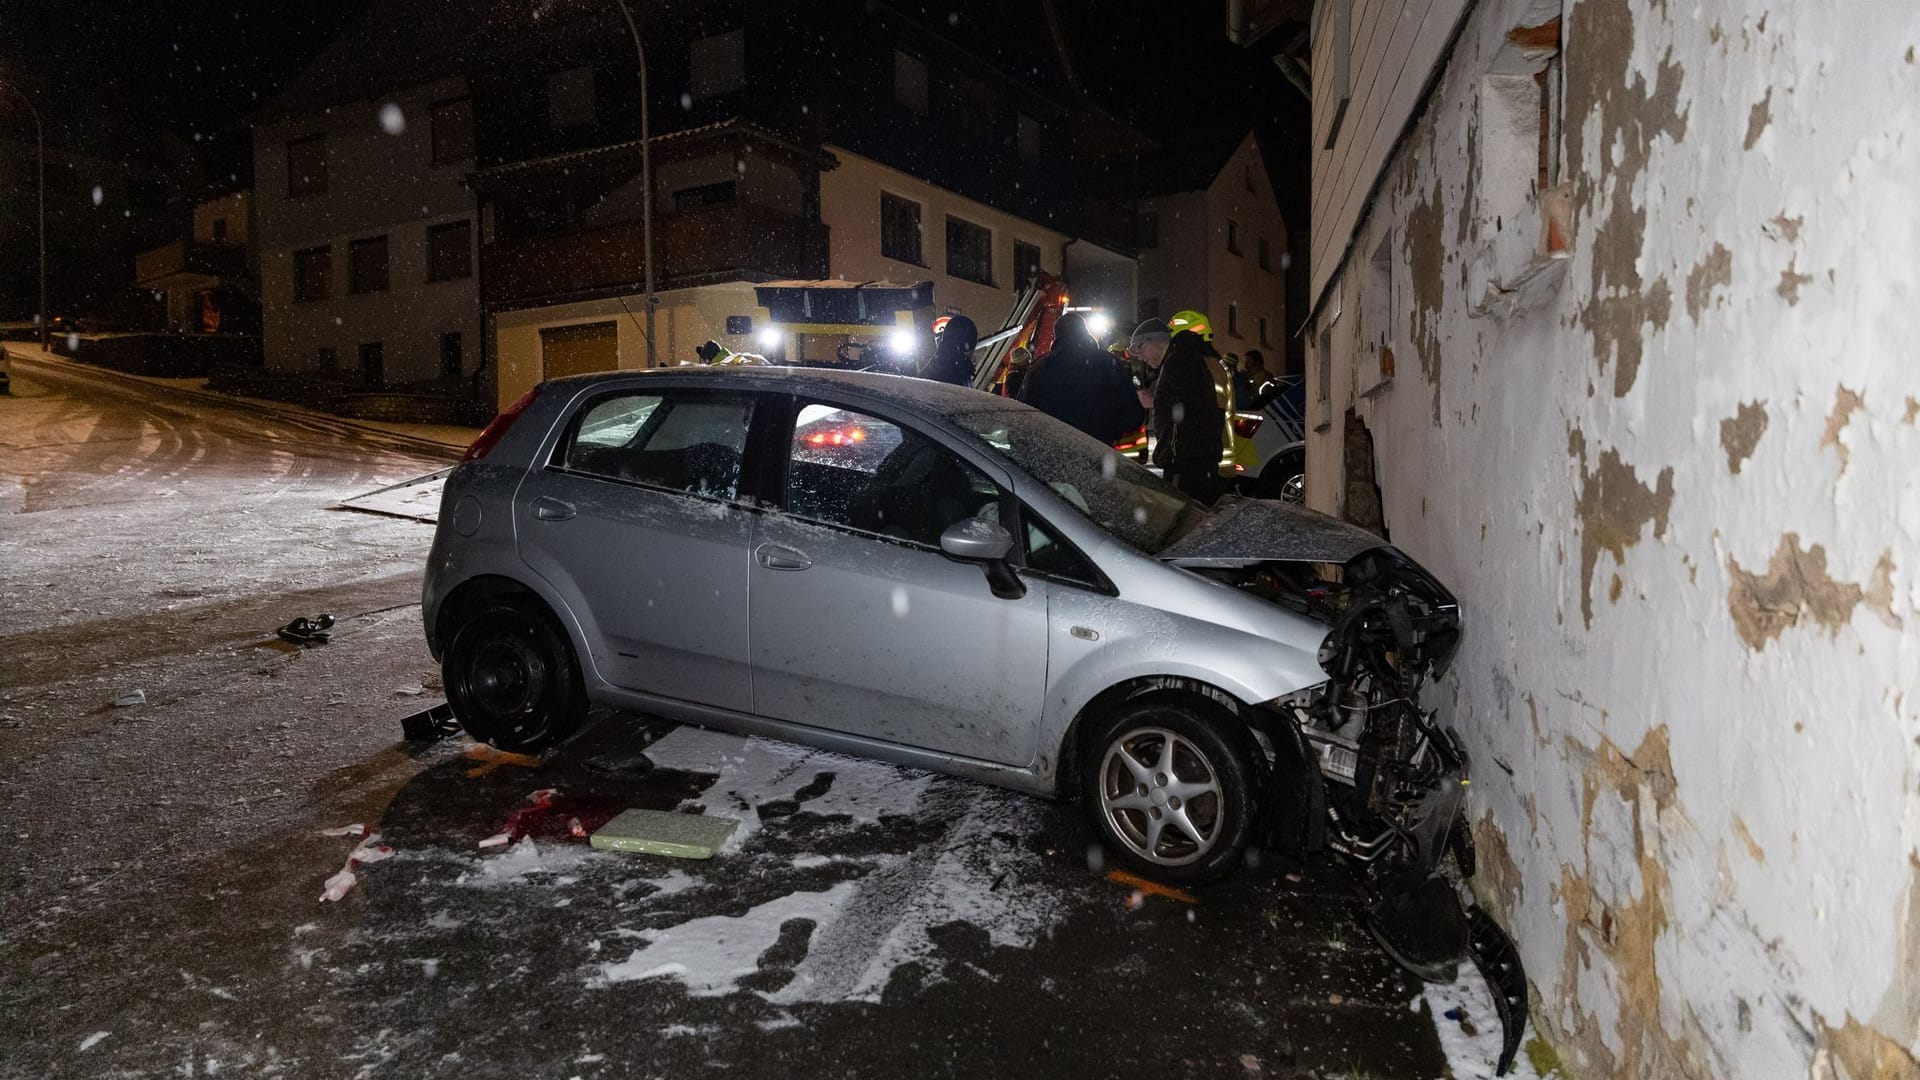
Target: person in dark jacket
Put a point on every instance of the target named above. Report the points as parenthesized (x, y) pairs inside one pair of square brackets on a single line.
[(953, 352), (1078, 384), (1187, 419)]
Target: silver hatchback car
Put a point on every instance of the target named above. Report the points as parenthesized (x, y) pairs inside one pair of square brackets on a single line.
[(949, 580)]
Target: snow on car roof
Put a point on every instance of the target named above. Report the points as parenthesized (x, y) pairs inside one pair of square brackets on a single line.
[(919, 395)]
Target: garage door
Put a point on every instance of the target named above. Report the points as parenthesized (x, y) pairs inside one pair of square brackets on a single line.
[(575, 350)]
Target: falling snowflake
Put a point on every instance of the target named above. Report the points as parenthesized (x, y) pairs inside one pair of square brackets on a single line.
[(900, 604), (99, 196), (73, 342), (392, 120), (953, 18), (1109, 465), (1139, 512), (686, 101)]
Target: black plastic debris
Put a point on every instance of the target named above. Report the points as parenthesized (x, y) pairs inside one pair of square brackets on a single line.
[(430, 724), (1499, 963), (1422, 926), (305, 631)]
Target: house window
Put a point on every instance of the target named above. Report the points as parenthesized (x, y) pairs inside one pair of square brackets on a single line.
[(1149, 227), (452, 130), (327, 360), (1026, 264), (570, 98), (971, 107), (1323, 381), (720, 64), (1027, 136), (373, 365), (694, 198), (1233, 320), (910, 83), (219, 230), (969, 251), (1149, 308), (450, 354), (1233, 236), (450, 251), (307, 165), (312, 273), (1339, 16), (367, 265), (1552, 90), (1377, 310), (1263, 331), (1266, 255), (900, 229)]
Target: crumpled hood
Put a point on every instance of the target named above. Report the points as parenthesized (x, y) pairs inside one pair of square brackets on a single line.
[(1244, 531)]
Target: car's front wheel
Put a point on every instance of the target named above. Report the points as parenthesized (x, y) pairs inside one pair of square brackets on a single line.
[(1169, 790), (511, 678)]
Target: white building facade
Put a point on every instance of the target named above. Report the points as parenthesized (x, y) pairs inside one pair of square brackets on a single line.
[(1218, 249), (1621, 299), (367, 242)]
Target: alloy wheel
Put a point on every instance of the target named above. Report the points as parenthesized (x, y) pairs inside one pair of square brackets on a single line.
[(1161, 795)]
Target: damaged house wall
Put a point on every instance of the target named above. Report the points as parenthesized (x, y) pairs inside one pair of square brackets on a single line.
[(1648, 405)]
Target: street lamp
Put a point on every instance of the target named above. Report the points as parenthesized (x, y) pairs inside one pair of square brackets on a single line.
[(646, 172), (40, 138)]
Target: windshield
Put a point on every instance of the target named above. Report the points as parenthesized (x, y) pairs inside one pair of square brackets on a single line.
[(1112, 490)]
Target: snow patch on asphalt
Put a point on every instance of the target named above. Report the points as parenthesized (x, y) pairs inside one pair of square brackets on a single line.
[(525, 859), (1471, 1057), (979, 872), (711, 954), (972, 876), (750, 772)]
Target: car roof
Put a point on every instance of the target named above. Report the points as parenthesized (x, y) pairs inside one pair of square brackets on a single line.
[(923, 396)]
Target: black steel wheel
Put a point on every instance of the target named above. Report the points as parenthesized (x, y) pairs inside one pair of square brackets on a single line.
[(511, 678), (1168, 787)]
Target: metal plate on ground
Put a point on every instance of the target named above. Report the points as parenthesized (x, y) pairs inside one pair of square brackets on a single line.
[(418, 498)]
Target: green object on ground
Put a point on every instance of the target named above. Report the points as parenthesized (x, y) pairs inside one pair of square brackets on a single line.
[(658, 832)]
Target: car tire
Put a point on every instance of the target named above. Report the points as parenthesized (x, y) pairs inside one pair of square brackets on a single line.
[(1169, 789), (512, 679), (1284, 478)]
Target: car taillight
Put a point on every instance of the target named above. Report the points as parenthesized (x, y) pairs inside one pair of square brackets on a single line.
[(498, 429), (1245, 426), (1132, 442), (837, 437)]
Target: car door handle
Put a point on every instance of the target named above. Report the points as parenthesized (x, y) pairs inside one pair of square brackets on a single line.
[(550, 509), (779, 557)]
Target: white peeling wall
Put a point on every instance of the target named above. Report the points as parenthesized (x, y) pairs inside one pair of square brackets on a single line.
[(1672, 480)]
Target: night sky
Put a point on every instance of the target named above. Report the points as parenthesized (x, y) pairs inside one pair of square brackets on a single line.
[(169, 84)]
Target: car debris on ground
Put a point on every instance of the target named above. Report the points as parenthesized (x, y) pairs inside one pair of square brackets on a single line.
[(305, 631)]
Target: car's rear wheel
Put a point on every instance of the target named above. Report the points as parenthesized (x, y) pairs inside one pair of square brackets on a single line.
[(512, 679), (1285, 478), (1169, 790)]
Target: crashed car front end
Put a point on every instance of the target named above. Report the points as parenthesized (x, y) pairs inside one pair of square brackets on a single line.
[(1359, 767)]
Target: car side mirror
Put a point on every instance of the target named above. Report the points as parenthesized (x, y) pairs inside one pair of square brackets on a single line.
[(976, 540), (987, 543)]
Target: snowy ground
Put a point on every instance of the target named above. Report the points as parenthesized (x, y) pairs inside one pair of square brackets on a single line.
[(160, 908)]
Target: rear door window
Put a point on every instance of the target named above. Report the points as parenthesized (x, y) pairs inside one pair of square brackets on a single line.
[(681, 441), (858, 471)]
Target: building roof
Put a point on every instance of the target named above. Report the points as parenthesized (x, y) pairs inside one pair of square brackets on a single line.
[(395, 43), (732, 125)]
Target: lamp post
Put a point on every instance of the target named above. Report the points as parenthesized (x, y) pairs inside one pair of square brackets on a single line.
[(40, 140), (646, 171)]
